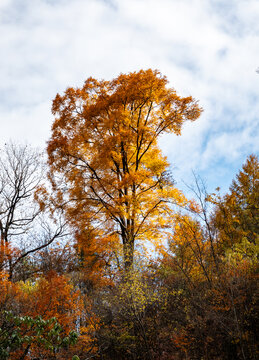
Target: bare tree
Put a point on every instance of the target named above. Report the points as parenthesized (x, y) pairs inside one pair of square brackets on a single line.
[(22, 171)]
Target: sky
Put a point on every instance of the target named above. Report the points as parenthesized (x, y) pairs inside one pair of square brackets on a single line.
[(208, 49)]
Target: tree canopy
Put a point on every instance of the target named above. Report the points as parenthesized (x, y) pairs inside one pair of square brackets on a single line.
[(105, 163)]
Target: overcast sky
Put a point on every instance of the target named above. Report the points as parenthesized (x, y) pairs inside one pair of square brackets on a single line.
[(207, 48)]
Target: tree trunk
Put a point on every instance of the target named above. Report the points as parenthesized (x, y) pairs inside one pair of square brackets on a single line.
[(128, 254)]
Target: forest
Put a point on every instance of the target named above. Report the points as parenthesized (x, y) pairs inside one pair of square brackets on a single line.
[(102, 256)]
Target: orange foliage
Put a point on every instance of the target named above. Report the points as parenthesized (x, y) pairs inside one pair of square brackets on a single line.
[(106, 168), (53, 296), (8, 253), (9, 292), (95, 252)]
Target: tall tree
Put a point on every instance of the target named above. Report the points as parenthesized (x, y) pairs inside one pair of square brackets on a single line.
[(236, 217), (105, 164)]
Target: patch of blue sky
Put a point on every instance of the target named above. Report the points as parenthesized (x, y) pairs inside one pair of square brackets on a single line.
[(111, 3), (222, 53), (182, 58), (13, 14), (231, 21)]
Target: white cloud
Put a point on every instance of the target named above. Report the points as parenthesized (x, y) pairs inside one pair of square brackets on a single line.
[(207, 48)]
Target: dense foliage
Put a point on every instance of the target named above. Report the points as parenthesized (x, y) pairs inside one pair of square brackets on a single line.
[(108, 259)]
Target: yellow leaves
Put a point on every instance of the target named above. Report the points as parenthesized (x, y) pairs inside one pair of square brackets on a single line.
[(236, 213), (191, 251), (135, 294), (128, 180), (155, 161), (104, 142), (175, 196), (29, 287), (242, 258)]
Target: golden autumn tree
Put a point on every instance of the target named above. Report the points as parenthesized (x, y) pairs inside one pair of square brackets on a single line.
[(236, 216), (106, 167), (189, 249)]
